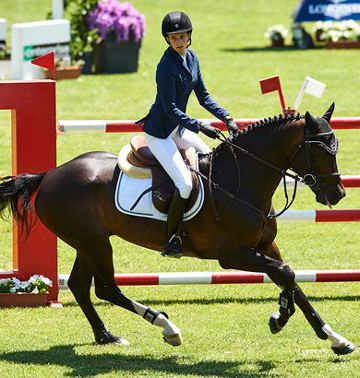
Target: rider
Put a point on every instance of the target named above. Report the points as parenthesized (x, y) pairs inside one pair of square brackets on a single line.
[(168, 128)]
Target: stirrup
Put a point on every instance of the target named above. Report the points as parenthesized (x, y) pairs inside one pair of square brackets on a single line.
[(173, 247)]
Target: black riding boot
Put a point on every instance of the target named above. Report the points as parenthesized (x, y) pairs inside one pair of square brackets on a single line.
[(176, 212)]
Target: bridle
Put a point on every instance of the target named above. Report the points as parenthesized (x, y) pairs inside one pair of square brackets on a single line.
[(313, 179)]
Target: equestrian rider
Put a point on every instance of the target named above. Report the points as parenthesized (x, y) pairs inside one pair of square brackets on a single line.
[(168, 128)]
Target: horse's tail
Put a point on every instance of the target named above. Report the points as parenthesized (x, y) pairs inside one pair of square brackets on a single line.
[(15, 195)]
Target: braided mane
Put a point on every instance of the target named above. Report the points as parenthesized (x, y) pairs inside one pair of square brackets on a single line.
[(261, 124)]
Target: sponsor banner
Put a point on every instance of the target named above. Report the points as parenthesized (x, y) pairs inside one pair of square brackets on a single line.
[(61, 51), (327, 10)]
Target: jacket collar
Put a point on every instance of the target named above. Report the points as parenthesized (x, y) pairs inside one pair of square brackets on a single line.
[(172, 54)]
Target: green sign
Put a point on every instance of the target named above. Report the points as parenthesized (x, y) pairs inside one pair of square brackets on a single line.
[(61, 51)]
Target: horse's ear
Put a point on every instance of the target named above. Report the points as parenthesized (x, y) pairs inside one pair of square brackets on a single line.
[(329, 112), (311, 123)]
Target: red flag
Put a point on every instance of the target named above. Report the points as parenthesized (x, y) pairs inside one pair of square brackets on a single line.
[(273, 84), (46, 61), (270, 84)]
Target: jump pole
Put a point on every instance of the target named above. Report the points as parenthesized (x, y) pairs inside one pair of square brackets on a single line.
[(352, 215), (129, 126), (349, 181), (216, 278)]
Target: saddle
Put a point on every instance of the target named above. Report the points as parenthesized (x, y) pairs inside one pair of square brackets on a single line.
[(136, 160)]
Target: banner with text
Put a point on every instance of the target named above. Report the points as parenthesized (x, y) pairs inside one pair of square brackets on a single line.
[(327, 10)]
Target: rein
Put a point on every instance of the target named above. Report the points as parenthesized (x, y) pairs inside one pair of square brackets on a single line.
[(311, 179), (212, 184)]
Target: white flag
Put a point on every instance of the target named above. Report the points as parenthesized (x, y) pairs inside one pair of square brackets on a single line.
[(311, 86), (314, 87)]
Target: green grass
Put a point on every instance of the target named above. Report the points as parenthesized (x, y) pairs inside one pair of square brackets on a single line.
[(225, 326)]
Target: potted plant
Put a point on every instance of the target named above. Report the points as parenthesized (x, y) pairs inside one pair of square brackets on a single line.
[(120, 28), (30, 293), (82, 38), (66, 69), (340, 34), (277, 35)]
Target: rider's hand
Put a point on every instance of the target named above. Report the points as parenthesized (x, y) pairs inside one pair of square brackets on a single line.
[(211, 132), (231, 126)]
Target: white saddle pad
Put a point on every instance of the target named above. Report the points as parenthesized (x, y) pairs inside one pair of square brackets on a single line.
[(129, 189)]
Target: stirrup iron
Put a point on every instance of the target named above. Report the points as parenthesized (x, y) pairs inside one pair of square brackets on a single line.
[(173, 247)]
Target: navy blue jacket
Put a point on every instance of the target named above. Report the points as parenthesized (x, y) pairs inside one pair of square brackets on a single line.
[(175, 82)]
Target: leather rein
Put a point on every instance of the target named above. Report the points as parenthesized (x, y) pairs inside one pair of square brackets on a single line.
[(310, 179)]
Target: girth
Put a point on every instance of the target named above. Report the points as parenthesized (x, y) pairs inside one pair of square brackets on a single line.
[(136, 160)]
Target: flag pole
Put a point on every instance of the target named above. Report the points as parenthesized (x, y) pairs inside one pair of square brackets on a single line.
[(301, 94), (282, 101)]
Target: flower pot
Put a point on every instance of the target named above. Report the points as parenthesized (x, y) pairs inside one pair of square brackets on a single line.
[(343, 45), (111, 56), (66, 72), (278, 42), (22, 299), (88, 59), (318, 35)]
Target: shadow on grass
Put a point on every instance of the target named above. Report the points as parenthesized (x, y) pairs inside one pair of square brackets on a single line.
[(96, 364), (226, 300), (202, 301), (267, 49)]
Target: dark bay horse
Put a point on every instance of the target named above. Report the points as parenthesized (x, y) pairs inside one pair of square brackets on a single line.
[(76, 202)]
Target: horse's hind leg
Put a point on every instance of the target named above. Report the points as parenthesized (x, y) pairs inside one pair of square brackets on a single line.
[(99, 253), (340, 345), (79, 283)]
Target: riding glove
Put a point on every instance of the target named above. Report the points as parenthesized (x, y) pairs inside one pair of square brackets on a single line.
[(211, 132), (231, 125)]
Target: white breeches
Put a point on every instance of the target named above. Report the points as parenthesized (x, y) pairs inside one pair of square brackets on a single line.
[(167, 153)]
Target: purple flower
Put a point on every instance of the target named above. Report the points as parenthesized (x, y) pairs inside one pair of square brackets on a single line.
[(121, 18)]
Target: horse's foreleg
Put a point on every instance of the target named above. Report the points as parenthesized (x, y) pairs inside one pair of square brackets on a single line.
[(250, 260), (286, 301), (280, 273), (340, 345)]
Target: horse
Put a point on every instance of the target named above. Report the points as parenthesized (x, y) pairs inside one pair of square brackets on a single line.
[(76, 202)]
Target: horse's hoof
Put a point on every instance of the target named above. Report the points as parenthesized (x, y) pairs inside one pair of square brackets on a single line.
[(114, 340), (103, 336), (173, 339), (273, 323), (347, 349), (120, 341)]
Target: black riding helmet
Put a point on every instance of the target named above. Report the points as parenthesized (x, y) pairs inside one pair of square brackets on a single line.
[(176, 22)]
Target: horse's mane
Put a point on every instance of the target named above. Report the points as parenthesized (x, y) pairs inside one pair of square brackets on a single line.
[(262, 124)]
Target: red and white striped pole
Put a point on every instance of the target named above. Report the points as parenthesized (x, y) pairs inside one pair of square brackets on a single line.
[(106, 126), (349, 181), (352, 215), (216, 278)]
